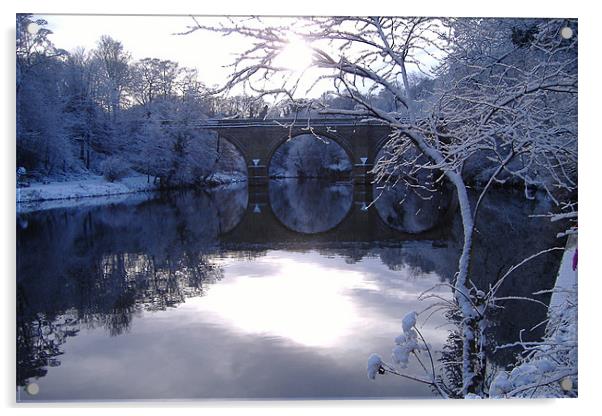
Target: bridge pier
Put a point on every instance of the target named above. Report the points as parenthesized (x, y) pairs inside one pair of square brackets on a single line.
[(257, 174), (361, 173)]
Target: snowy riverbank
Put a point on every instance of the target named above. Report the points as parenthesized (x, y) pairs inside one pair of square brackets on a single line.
[(91, 191)]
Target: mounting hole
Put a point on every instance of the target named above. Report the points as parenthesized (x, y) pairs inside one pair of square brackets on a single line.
[(33, 28), (32, 389), (566, 384), (566, 32)]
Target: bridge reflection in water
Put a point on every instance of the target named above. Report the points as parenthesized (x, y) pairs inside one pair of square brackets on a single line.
[(292, 212)]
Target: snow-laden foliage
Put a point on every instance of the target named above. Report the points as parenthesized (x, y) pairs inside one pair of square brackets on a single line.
[(410, 343), (407, 343), (113, 168), (408, 322), (374, 366), (545, 366)]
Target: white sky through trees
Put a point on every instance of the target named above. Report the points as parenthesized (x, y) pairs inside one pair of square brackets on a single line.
[(154, 36), (149, 36)]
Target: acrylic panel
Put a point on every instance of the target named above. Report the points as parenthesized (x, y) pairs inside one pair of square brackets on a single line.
[(219, 207)]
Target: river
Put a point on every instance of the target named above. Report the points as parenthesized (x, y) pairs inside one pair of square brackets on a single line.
[(280, 291)]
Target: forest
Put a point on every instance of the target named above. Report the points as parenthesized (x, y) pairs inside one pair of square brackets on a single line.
[(82, 113)]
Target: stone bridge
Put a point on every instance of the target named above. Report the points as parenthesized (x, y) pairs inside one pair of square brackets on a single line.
[(257, 140)]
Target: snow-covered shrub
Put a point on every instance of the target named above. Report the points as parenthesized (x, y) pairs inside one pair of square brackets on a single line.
[(546, 365), (500, 385), (408, 344), (114, 168)]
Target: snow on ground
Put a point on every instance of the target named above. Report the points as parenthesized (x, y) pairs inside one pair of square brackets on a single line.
[(95, 186), (85, 202), (91, 191), (566, 281)]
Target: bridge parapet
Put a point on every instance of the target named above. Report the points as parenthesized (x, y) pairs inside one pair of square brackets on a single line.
[(289, 122)]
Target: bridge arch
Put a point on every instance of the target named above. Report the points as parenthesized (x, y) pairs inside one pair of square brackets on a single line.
[(238, 146), (331, 137), (378, 147)]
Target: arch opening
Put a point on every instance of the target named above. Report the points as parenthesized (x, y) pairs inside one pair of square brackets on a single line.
[(230, 164), (307, 156)]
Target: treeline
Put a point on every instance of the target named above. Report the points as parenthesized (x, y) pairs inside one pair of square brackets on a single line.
[(101, 112)]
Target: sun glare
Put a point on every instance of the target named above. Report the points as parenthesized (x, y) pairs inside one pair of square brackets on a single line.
[(310, 304), (295, 56)]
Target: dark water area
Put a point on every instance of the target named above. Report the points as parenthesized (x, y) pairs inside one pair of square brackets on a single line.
[(255, 292)]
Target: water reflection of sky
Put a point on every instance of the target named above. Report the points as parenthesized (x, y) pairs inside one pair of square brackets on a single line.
[(288, 324)]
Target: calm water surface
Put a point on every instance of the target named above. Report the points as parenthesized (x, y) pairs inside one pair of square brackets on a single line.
[(275, 292)]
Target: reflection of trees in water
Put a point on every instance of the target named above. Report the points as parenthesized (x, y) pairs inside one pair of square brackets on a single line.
[(99, 267), (424, 256), (411, 210), (39, 337), (310, 206), (230, 203), (108, 296)]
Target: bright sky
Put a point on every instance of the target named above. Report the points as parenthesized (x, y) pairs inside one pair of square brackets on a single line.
[(148, 36), (155, 36)]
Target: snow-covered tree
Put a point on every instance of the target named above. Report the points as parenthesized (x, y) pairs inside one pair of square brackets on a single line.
[(113, 65), (83, 116), (41, 138), (74, 110), (153, 78), (503, 92)]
